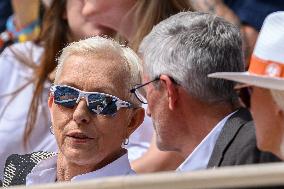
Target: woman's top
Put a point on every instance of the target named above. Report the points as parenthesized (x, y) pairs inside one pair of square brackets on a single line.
[(40, 168)]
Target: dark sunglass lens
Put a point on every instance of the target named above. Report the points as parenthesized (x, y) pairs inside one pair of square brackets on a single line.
[(102, 104), (111, 107), (96, 102), (65, 96)]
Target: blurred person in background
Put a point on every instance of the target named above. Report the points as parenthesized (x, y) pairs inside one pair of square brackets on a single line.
[(248, 15), (265, 82), (194, 115), (27, 70), (92, 112)]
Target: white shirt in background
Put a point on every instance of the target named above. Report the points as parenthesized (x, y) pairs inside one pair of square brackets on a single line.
[(14, 75), (140, 139)]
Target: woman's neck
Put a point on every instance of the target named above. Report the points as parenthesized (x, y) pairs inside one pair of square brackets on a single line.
[(66, 170)]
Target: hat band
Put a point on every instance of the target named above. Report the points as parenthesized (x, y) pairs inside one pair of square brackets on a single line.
[(266, 67)]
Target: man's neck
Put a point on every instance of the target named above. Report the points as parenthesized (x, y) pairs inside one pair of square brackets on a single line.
[(200, 123)]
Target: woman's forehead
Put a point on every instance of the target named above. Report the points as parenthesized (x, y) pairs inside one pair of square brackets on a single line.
[(90, 73), (108, 66)]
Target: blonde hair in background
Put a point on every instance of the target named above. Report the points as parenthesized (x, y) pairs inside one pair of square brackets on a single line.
[(278, 97), (102, 45), (148, 13)]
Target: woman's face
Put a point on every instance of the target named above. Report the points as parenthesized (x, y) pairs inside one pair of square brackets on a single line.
[(99, 17), (83, 137), (268, 124)]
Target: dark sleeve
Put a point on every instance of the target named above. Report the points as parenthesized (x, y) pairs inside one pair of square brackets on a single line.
[(17, 167), (243, 149), (251, 154)]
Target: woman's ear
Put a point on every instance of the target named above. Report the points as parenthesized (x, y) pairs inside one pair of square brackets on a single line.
[(50, 104), (137, 118), (50, 100)]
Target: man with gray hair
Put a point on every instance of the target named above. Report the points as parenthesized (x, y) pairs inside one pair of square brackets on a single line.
[(195, 115)]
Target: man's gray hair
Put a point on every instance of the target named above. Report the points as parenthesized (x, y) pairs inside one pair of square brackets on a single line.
[(98, 46), (190, 45)]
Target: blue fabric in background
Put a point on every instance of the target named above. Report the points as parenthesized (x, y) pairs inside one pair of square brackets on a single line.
[(5, 11), (253, 12)]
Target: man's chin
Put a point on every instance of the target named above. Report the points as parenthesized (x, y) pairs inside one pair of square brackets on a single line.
[(163, 146)]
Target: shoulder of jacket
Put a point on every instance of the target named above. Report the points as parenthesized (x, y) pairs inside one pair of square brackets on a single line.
[(17, 167)]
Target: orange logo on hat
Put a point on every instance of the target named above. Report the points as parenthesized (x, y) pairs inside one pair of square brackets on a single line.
[(273, 70), (265, 67)]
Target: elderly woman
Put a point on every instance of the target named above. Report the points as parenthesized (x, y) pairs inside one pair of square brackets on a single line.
[(93, 113), (265, 82)]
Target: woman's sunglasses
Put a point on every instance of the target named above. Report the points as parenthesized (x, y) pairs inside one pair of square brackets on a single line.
[(98, 103)]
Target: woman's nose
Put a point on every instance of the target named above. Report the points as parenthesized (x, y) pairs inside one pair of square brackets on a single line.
[(81, 113), (90, 7)]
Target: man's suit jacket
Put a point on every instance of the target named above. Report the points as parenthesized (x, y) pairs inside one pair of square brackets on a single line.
[(236, 144)]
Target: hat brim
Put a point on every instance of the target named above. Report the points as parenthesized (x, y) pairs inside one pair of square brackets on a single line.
[(252, 79)]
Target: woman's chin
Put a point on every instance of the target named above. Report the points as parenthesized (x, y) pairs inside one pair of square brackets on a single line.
[(79, 157)]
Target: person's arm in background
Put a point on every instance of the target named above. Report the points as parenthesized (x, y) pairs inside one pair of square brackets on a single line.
[(23, 24), (25, 13), (155, 160)]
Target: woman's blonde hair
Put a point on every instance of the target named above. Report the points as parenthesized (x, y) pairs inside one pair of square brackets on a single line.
[(101, 45)]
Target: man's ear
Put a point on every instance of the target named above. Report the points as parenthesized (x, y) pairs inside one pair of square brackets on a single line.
[(137, 118), (172, 90), (279, 114), (278, 111)]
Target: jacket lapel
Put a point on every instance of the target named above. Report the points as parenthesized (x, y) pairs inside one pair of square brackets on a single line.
[(228, 133)]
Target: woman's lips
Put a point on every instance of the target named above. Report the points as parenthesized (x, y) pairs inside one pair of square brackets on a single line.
[(79, 137)]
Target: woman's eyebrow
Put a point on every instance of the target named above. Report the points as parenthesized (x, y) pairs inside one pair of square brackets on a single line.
[(107, 88)]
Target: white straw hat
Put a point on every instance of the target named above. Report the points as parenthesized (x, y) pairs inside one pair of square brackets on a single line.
[(267, 63)]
